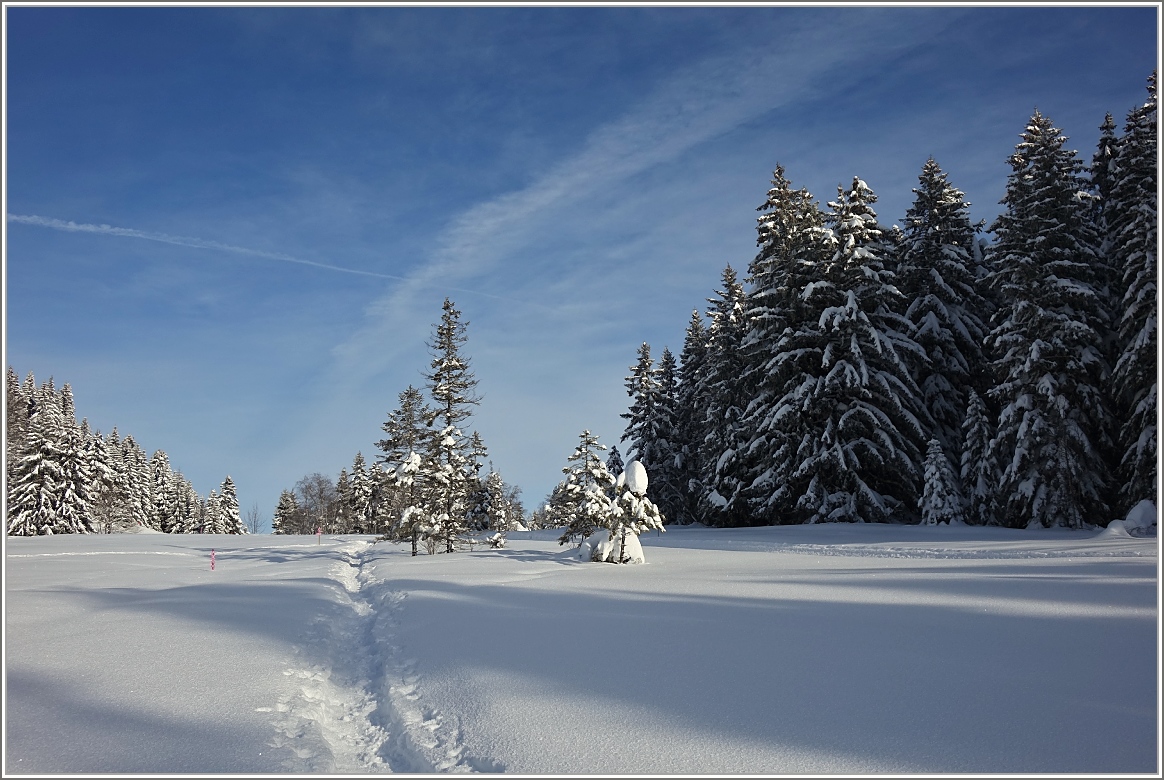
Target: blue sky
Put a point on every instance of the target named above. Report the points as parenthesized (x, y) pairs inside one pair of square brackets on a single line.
[(296, 190)]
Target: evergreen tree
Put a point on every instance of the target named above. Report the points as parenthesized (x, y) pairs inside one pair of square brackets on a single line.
[(848, 407), (360, 506), (980, 472), (789, 235), (286, 517), (451, 384), (940, 502), (342, 521), (632, 512), (724, 400), (212, 515), (1053, 426), (690, 425), (614, 462), (582, 501), (230, 521), (407, 439), (40, 493), (937, 277), (650, 418), (1133, 227)]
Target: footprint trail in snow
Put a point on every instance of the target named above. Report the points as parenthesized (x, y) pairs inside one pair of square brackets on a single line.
[(356, 705)]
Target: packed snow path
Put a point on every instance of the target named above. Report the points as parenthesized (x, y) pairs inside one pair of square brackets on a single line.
[(780, 650)]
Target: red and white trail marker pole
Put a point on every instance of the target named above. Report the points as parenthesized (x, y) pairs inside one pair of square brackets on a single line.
[(318, 534), (212, 560)]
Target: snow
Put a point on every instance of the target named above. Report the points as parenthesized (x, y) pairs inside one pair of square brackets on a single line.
[(1141, 517), (833, 649), (636, 478)]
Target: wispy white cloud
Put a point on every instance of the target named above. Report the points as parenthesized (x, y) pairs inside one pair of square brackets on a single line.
[(696, 104)]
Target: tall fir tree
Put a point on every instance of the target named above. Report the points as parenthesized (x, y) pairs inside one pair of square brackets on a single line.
[(849, 407), (1052, 434), (789, 236), (1133, 224), (937, 276), (689, 420), (230, 519), (452, 388), (724, 398)]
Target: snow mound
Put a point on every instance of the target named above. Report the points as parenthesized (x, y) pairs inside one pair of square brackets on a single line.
[(601, 548), (1141, 518), (1115, 528)]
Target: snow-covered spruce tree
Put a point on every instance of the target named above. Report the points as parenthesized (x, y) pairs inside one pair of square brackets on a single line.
[(937, 276), (789, 236), (406, 442), (138, 483), (285, 520), (1132, 247), (631, 514), (160, 476), (451, 384), (230, 519), (1047, 337), (614, 462), (848, 405), (940, 502), (689, 420), (498, 509), (212, 515), (651, 422), (979, 470), (667, 487), (16, 415), (582, 502), (342, 519), (1102, 176), (725, 399), (44, 495), (360, 499), (477, 514)]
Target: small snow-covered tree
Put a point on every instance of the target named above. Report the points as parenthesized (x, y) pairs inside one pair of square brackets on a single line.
[(940, 501), (360, 497), (980, 471), (582, 502), (631, 514)]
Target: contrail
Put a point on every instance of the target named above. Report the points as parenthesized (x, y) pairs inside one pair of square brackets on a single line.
[(196, 243), (201, 243)]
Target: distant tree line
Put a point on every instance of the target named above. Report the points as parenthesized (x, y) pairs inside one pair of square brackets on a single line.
[(863, 373), (429, 484), (63, 477)]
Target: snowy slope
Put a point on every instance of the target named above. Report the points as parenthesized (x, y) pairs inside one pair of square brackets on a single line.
[(777, 650)]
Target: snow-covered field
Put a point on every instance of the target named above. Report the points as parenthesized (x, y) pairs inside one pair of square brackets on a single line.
[(823, 649)]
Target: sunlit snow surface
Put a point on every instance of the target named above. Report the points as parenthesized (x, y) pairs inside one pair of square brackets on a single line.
[(823, 649)]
